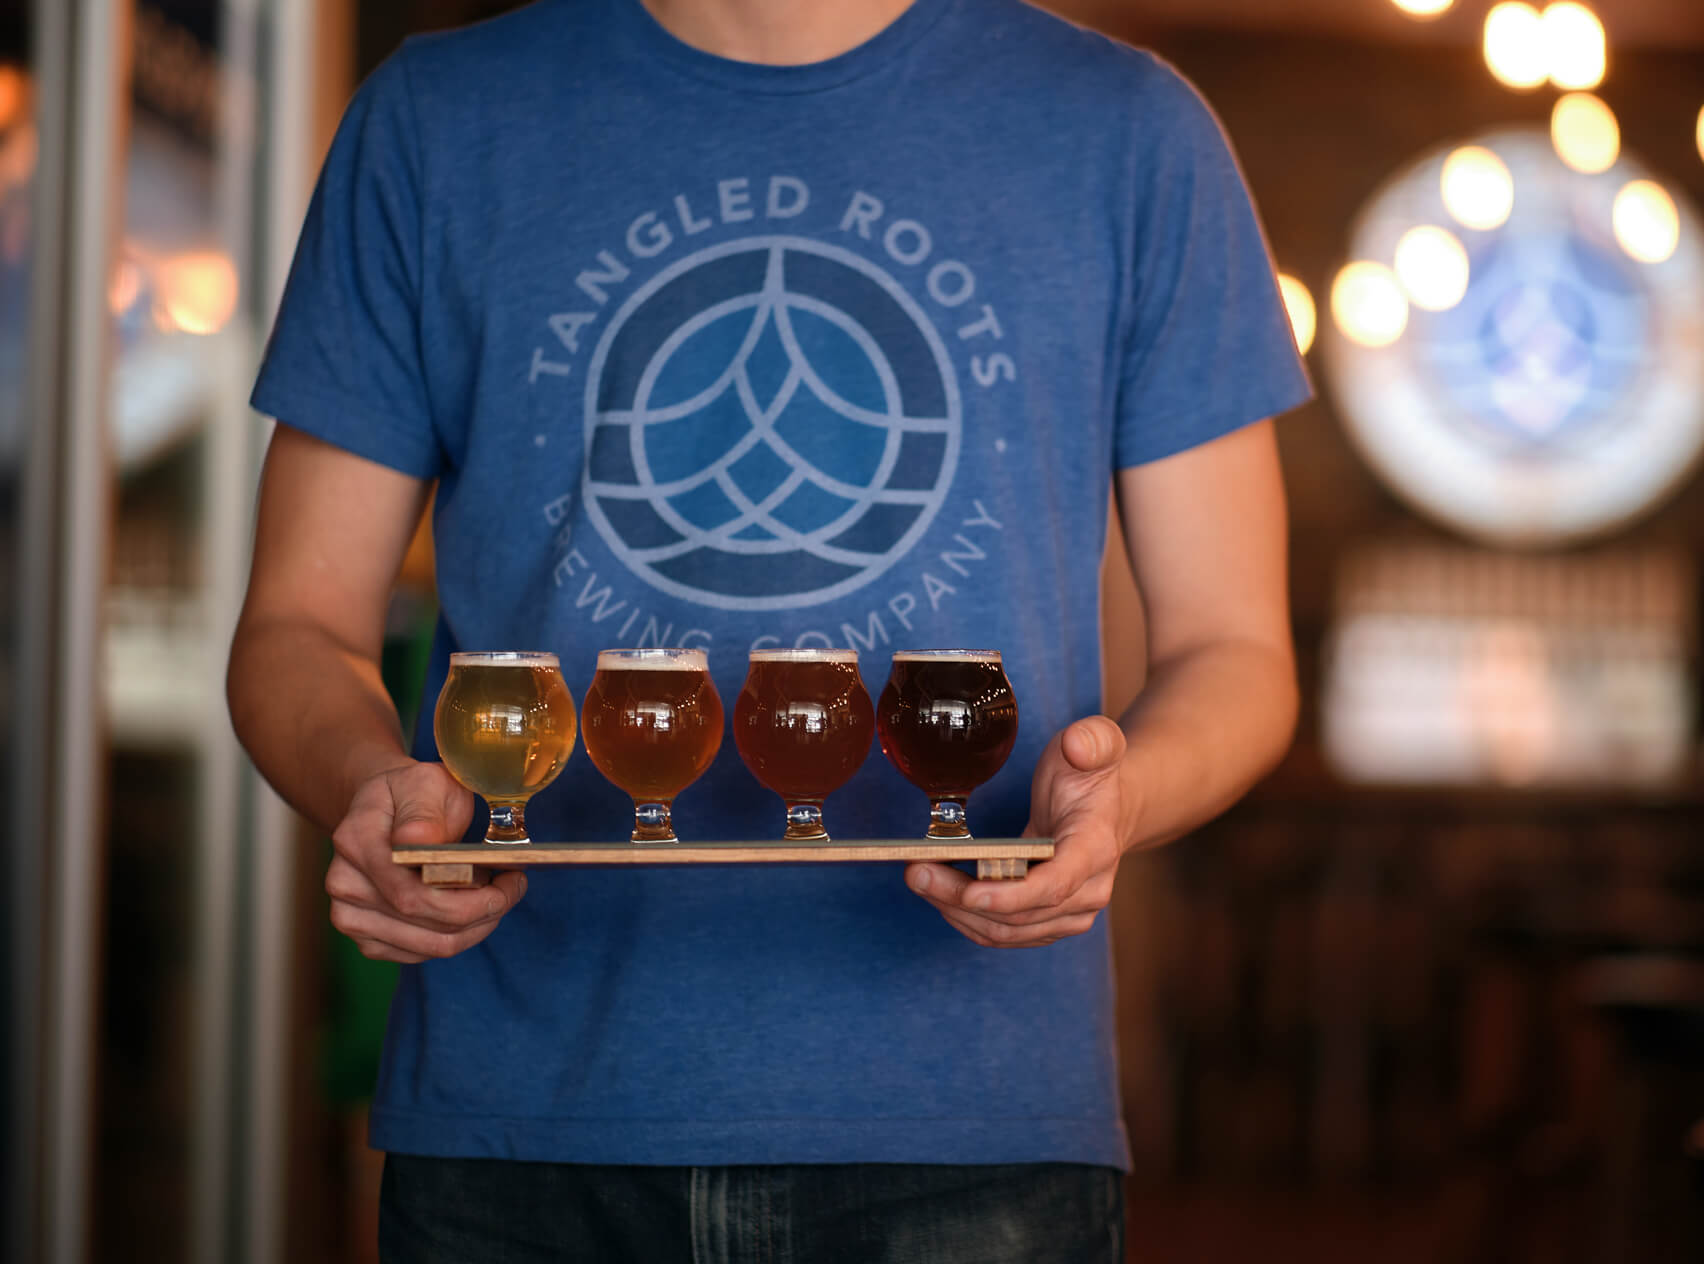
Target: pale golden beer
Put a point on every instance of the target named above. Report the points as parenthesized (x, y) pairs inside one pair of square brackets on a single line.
[(803, 724), (653, 724), (948, 720), (504, 725)]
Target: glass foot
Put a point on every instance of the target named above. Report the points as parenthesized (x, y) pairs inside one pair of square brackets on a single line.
[(804, 823), (947, 819), (652, 823)]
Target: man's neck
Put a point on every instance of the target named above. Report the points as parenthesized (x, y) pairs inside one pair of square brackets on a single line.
[(775, 32)]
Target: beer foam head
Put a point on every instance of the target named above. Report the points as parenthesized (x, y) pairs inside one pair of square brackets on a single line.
[(653, 660), (947, 656), (503, 658), (804, 656)]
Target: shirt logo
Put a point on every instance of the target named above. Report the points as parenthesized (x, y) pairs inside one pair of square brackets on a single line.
[(771, 423)]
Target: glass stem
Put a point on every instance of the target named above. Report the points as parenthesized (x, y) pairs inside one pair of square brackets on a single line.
[(947, 819), (508, 824), (804, 822), (653, 823)]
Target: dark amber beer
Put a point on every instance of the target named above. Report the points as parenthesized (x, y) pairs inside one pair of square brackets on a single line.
[(653, 723), (947, 719), (803, 724), (504, 725)]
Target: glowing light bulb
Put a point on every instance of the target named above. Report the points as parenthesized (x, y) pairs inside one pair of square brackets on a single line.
[(1514, 45), (1701, 133), (1478, 189), (1585, 133), (1299, 303), (1647, 223), (1433, 267), (1423, 8), (1368, 304), (1575, 50)]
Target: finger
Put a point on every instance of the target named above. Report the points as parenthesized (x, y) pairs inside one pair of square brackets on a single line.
[(364, 924), (1093, 743), (993, 934), (449, 908), (399, 891), (431, 807), (377, 951)]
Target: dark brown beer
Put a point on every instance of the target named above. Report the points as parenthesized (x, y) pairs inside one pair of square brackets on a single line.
[(652, 723), (948, 720), (504, 725), (803, 724)]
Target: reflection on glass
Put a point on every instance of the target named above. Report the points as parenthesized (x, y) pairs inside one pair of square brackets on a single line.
[(1585, 133)]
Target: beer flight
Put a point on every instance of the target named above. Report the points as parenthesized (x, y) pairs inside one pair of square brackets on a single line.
[(652, 723)]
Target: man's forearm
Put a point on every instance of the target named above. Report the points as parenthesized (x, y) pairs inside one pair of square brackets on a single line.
[(313, 714), (1207, 726)]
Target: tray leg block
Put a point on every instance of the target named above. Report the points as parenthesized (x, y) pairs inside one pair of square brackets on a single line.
[(447, 875), (1008, 867)]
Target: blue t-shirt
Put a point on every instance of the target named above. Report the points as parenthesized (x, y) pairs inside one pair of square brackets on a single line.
[(726, 355)]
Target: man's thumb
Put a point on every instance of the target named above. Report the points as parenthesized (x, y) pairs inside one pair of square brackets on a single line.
[(424, 814), (1092, 743)]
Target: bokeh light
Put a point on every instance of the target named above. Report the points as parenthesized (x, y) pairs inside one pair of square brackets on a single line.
[(14, 95), (1433, 267), (1368, 304), (1701, 132), (1515, 47), (198, 292), (1585, 133), (1647, 223), (1478, 189), (1299, 303), (1423, 8), (1575, 50)]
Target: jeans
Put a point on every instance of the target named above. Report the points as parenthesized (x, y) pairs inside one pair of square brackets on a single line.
[(485, 1211)]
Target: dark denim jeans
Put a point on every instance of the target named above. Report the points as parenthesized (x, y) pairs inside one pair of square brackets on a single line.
[(484, 1211)]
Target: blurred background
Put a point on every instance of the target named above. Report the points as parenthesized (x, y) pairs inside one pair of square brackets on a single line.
[(1435, 991)]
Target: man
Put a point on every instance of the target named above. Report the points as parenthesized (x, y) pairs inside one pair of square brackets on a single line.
[(735, 323)]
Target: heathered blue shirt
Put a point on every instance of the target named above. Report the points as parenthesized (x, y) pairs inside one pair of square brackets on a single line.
[(727, 355)]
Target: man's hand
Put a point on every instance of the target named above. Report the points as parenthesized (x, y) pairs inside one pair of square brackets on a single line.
[(385, 907), (1079, 800)]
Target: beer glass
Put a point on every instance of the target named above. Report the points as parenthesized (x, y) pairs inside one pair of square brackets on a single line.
[(947, 719), (653, 723), (803, 724), (504, 725)]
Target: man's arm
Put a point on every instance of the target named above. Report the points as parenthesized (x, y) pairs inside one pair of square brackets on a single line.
[(308, 703), (1207, 537)]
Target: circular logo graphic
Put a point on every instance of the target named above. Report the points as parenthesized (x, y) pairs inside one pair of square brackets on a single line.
[(771, 423), (1563, 394)]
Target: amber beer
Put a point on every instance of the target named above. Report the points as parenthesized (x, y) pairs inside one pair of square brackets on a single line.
[(803, 724), (948, 720), (504, 725), (653, 723)]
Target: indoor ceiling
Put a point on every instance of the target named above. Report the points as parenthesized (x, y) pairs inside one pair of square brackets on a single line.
[(1630, 23)]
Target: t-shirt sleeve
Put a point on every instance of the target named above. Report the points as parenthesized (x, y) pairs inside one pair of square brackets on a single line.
[(1208, 344), (344, 359)]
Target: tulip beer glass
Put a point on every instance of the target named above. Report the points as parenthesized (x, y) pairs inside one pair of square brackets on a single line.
[(504, 726), (947, 719), (653, 723), (803, 724)]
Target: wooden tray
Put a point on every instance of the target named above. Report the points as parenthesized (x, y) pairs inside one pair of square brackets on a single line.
[(452, 865)]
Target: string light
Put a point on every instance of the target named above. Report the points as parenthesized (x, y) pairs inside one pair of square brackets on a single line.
[(1478, 189), (1575, 50), (1585, 133), (1647, 223), (1515, 47), (1433, 267), (1299, 303), (1368, 304)]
